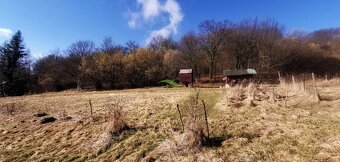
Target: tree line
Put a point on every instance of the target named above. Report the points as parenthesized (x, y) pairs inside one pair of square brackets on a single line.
[(214, 47)]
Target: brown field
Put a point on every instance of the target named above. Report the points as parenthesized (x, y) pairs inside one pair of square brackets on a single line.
[(296, 128)]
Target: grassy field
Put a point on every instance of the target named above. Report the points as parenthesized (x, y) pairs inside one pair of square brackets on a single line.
[(297, 128)]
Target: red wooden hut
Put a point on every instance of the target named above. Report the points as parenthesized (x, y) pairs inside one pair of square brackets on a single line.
[(186, 76)]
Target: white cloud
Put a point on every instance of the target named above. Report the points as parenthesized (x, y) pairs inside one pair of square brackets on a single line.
[(5, 32), (152, 9), (133, 21)]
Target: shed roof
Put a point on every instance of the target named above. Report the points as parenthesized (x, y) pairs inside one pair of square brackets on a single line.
[(185, 71), (239, 72)]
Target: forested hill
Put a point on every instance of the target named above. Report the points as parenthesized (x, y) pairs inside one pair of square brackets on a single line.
[(264, 45)]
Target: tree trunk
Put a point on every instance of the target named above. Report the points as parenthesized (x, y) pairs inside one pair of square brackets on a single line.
[(112, 82), (211, 71), (78, 83), (197, 72), (99, 84), (29, 81)]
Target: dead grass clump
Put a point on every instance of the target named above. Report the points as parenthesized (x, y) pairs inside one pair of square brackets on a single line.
[(114, 131), (335, 80), (237, 95), (191, 140), (328, 98), (330, 149), (100, 144), (117, 118), (63, 115), (194, 135), (295, 88), (197, 121), (332, 145), (10, 108), (246, 95)]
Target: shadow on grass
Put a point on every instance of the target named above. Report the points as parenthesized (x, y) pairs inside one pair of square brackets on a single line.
[(216, 141), (250, 136)]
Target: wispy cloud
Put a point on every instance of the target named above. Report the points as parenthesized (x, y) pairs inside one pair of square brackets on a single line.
[(5, 32), (150, 10)]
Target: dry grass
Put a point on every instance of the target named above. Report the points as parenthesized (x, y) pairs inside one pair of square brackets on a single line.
[(117, 117), (288, 128), (11, 108), (148, 111), (193, 137), (293, 127)]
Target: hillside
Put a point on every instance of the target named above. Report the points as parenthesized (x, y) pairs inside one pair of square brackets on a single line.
[(297, 128)]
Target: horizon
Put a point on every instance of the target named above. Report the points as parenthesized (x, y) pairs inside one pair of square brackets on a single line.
[(50, 25)]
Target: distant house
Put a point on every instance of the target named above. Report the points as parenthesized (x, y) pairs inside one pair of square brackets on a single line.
[(186, 76), (235, 76)]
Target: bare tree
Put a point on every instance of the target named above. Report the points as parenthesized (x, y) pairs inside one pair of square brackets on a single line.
[(324, 36), (77, 53), (299, 35), (109, 47), (190, 50), (50, 72), (255, 44), (243, 44), (213, 36), (327, 40), (131, 46), (172, 63), (161, 43), (270, 34)]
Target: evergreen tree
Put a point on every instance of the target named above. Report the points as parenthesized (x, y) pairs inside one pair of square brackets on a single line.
[(14, 73)]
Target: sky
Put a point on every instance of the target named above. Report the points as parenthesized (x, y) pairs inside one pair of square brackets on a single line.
[(50, 24)]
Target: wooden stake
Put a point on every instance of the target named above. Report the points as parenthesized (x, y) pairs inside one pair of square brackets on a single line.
[(304, 82), (315, 90), (206, 118), (180, 117), (286, 98), (273, 94), (278, 72), (91, 109)]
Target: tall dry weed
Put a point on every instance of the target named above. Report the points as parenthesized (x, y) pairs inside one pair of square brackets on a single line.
[(243, 95), (117, 117), (297, 87), (195, 130)]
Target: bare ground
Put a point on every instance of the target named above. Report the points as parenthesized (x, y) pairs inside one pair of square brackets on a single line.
[(298, 129)]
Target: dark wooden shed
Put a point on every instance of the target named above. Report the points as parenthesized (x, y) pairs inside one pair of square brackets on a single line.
[(186, 76), (235, 76)]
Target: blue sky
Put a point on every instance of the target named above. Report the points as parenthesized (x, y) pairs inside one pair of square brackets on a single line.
[(51, 24)]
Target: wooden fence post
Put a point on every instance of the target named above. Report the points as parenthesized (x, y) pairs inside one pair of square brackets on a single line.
[(304, 82), (286, 99), (278, 72), (315, 90), (180, 117), (206, 118), (273, 94), (91, 109)]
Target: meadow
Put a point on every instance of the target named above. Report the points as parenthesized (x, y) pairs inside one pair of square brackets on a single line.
[(283, 122)]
